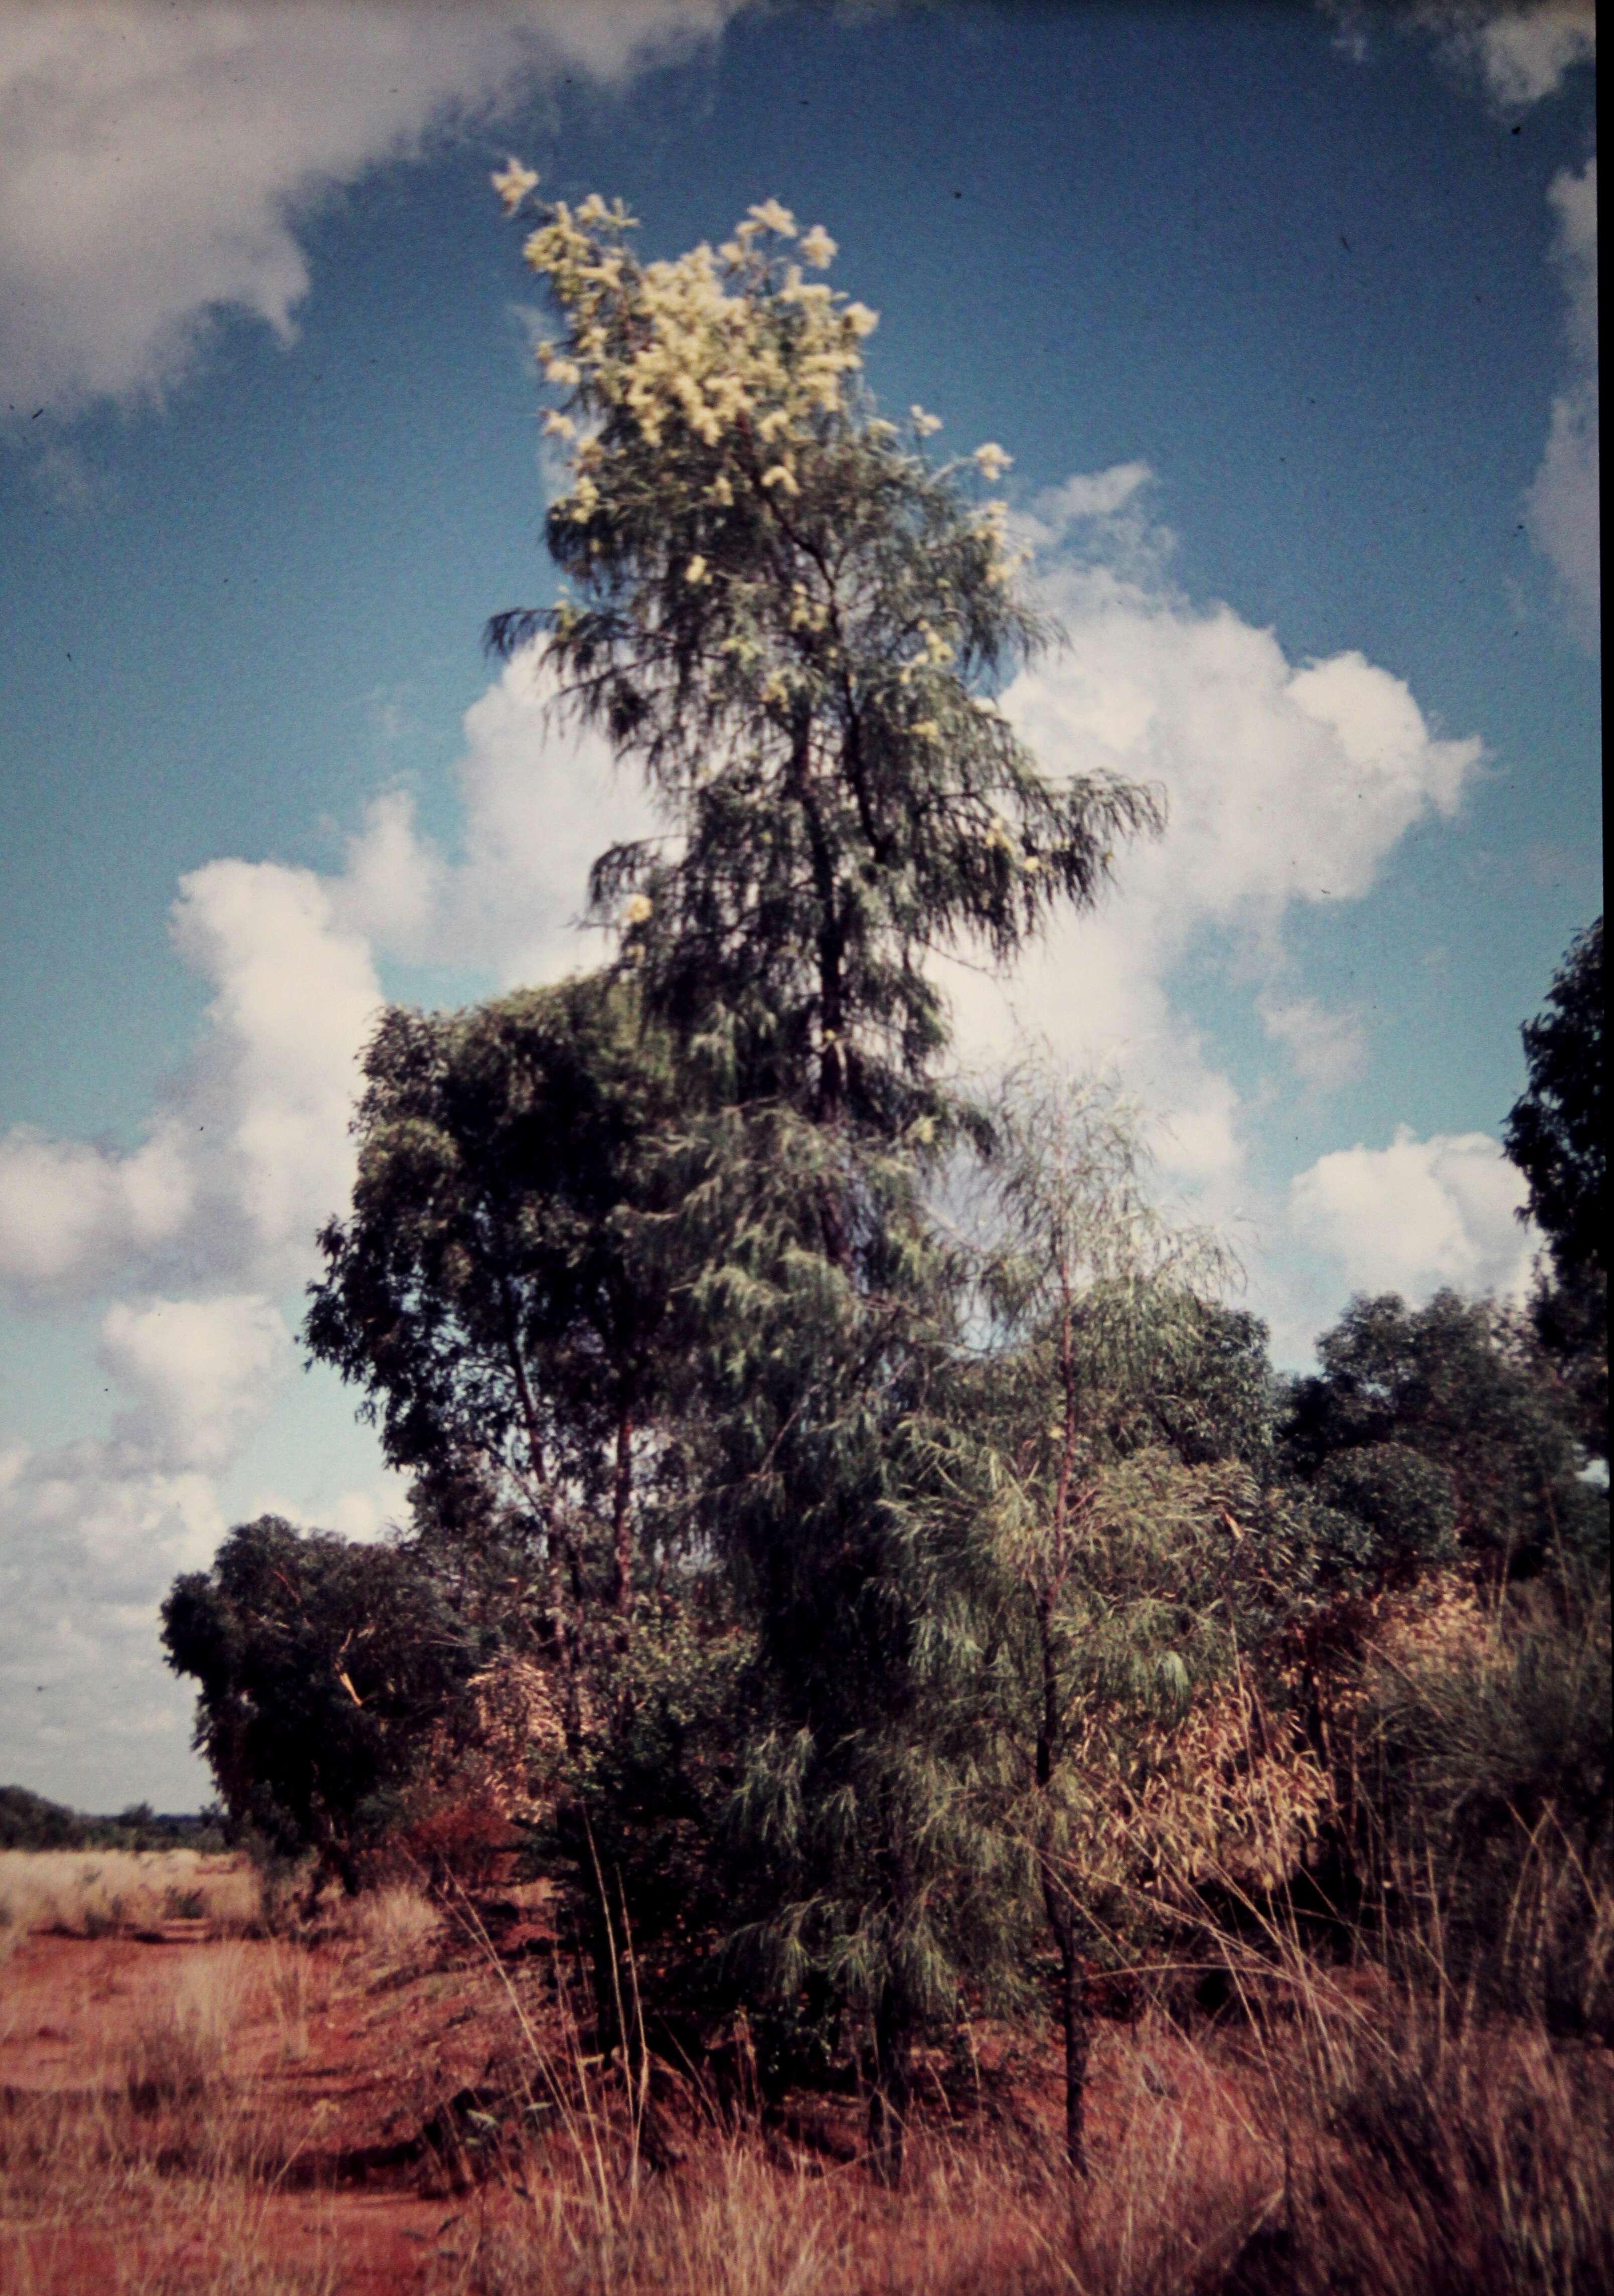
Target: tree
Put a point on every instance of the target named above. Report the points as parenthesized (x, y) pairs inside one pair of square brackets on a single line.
[(498, 1292), (1429, 1424), (799, 629), (324, 1671), (1556, 1131), (1557, 1134), (1105, 1357)]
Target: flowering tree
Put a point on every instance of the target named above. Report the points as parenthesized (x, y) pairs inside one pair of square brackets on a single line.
[(800, 627)]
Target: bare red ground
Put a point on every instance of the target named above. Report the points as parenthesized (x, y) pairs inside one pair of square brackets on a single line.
[(383, 2048)]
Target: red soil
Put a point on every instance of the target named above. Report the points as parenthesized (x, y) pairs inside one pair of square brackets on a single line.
[(346, 2194)]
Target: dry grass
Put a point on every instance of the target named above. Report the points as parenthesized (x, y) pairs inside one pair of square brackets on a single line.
[(1333, 2135), (1223, 2170), (97, 1893), (180, 2051), (103, 2192), (395, 1926)]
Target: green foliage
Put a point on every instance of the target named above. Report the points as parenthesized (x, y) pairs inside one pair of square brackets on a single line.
[(1382, 1504), (29, 1821), (324, 1671), (827, 1394), (1557, 1133), (1114, 1405), (798, 627), (488, 1271), (1459, 1384), (501, 1292)]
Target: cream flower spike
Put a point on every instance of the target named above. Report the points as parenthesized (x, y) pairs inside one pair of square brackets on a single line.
[(818, 249), (773, 218), (925, 424), (992, 462), (637, 909), (514, 184)]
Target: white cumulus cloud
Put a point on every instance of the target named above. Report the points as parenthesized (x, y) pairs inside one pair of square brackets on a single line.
[(199, 1374), (248, 1149), (1288, 784), (157, 161), (1418, 1214), (540, 801), (1522, 50)]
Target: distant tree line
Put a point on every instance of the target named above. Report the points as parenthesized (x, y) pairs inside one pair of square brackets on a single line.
[(30, 1821)]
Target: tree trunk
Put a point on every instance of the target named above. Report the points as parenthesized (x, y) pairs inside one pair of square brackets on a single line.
[(621, 1516), (893, 2085), (1078, 2041)]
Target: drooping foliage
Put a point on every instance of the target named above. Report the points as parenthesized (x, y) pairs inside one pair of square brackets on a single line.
[(799, 628), (1115, 1405)]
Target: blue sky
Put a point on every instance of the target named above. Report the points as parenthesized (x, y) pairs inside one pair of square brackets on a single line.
[(1288, 318)]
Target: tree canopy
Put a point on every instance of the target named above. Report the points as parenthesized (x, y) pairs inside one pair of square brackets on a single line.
[(1556, 1129), (1557, 1134), (1427, 1425), (799, 628), (324, 1669), (496, 1291)]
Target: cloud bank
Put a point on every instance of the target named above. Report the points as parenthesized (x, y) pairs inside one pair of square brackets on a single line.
[(1417, 1214), (157, 161)]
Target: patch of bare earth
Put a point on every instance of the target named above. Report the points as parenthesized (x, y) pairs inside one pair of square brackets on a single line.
[(181, 2112)]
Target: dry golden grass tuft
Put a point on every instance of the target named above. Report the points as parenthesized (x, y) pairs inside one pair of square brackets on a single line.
[(98, 1892), (395, 1926), (179, 2052)]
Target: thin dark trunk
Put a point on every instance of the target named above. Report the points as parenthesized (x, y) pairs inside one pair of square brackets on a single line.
[(621, 1523), (562, 1547), (1047, 1732), (830, 1100), (1078, 2029), (893, 2085)]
